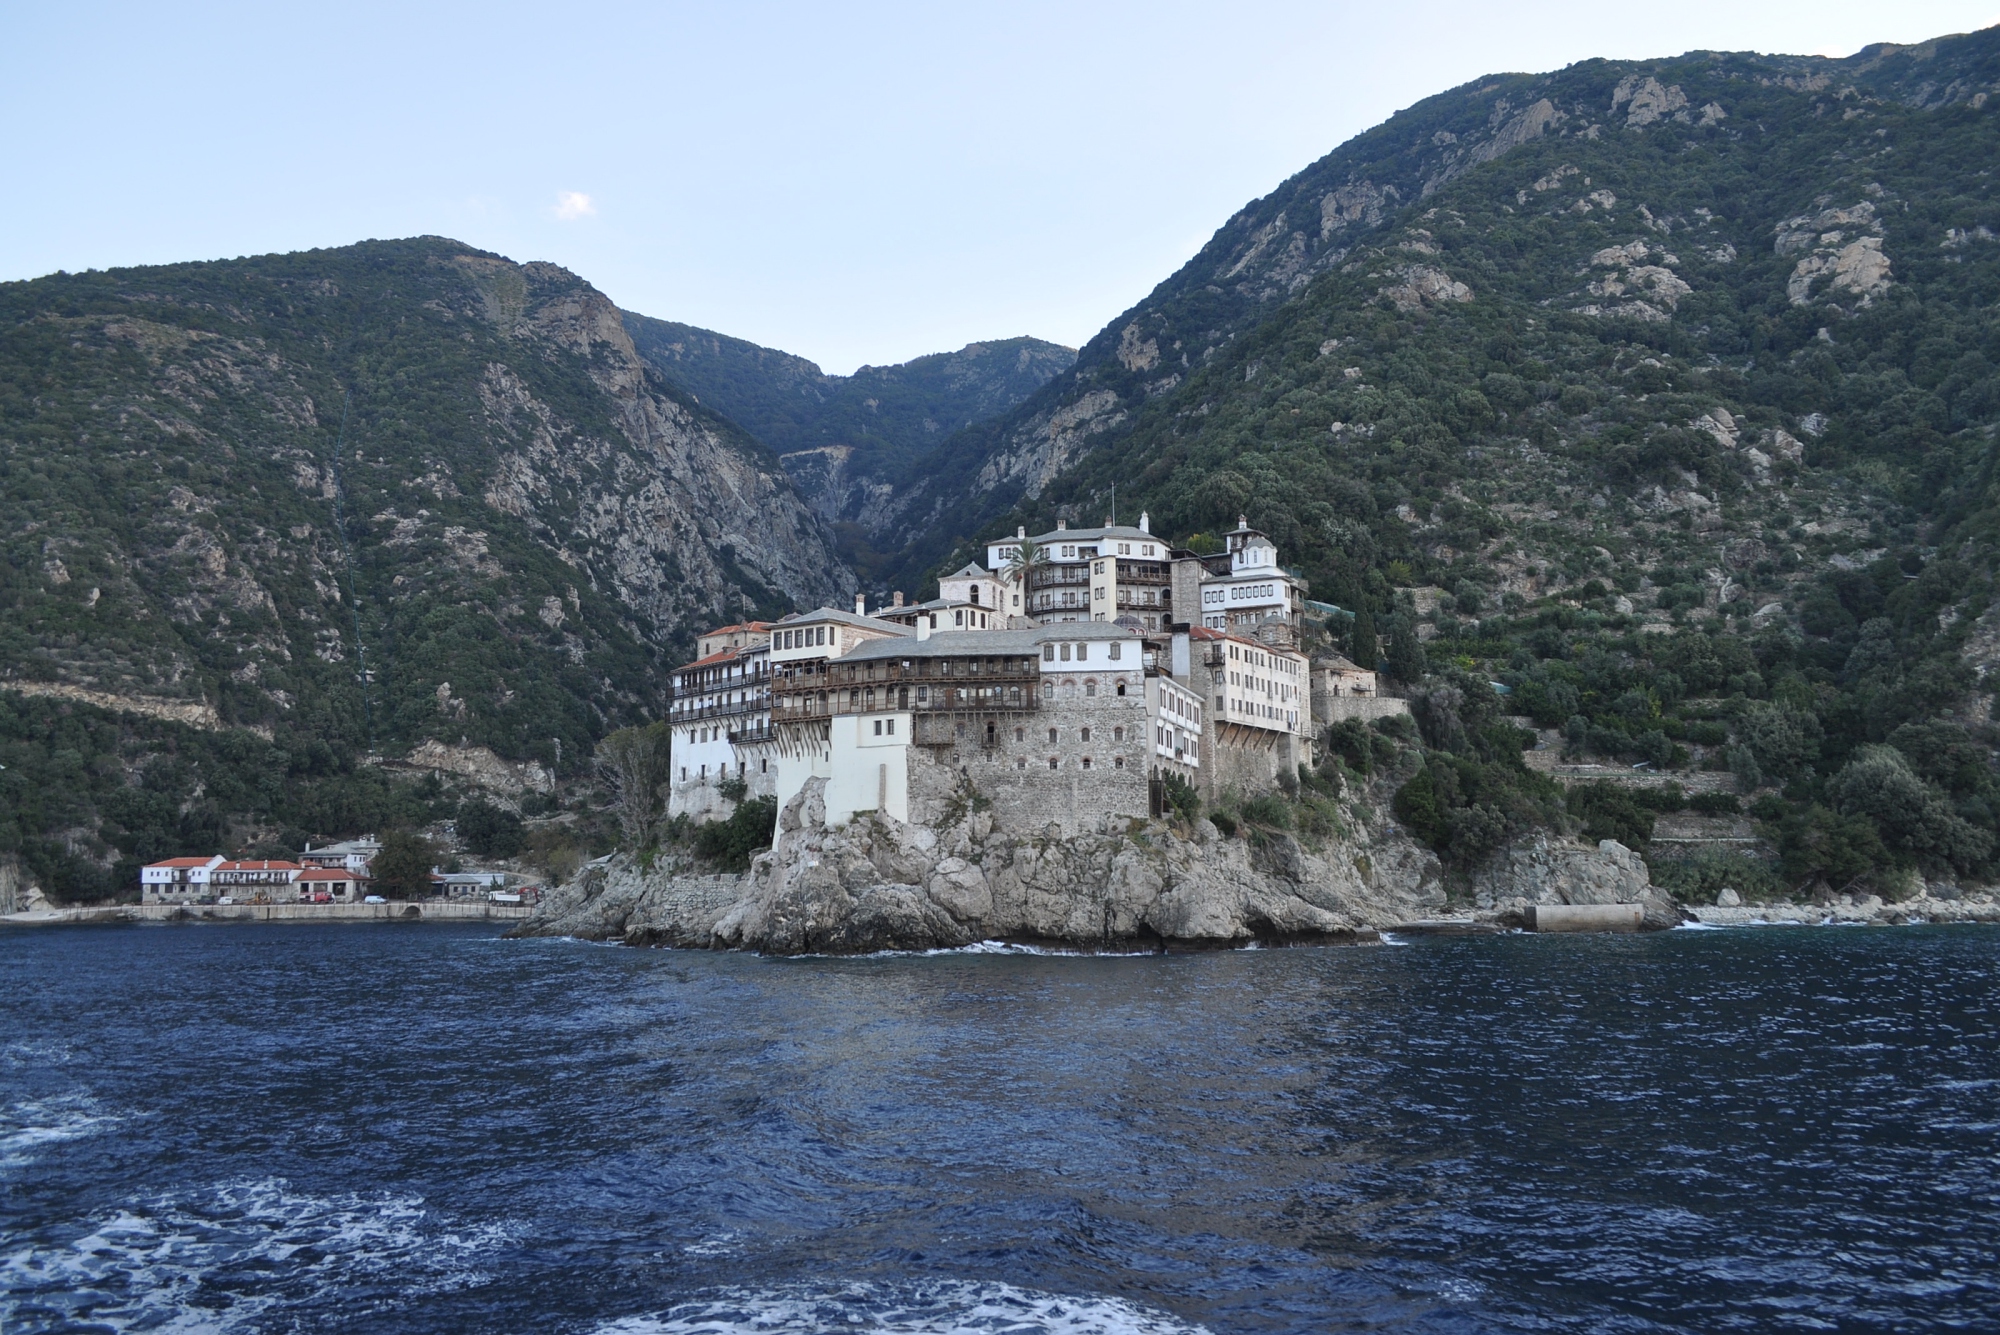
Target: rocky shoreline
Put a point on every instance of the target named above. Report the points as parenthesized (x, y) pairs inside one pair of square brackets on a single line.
[(878, 884)]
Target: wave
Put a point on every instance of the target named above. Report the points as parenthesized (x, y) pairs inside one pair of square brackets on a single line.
[(222, 1259), (945, 1307), (32, 1123)]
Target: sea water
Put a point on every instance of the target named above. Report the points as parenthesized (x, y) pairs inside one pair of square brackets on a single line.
[(423, 1128)]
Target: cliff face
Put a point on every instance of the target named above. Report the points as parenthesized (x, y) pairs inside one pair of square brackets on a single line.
[(878, 884), (376, 496)]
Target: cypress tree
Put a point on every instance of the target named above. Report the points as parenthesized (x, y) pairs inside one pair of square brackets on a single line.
[(1363, 652)]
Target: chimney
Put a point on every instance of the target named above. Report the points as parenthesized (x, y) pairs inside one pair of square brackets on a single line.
[(1021, 531), (1061, 524), (1243, 521), (861, 604), (1180, 665), (924, 623), (896, 598), (1145, 522)]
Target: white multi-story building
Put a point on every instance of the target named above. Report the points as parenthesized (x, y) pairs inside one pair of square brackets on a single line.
[(721, 721), (1086, 574), (1260, 720), (350, 855), (804, 699), (1251, 587), (177, 880)]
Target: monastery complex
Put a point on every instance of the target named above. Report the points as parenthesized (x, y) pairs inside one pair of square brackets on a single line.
[(1067, 682)]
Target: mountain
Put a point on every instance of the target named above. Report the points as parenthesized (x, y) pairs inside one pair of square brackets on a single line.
[(1740, 117), (849, 442), (1665, 394), (396, 493)]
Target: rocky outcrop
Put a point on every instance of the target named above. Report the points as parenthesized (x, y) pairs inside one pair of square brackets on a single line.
[(1545, 870), (878, 884)]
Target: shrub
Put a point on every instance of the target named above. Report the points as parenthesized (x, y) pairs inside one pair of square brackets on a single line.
[(1609, 811), (1269, 810), (488, 830), (732, 843)]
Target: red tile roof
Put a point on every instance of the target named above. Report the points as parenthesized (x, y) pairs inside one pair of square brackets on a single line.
[(325, 874), (265, 865), (183, 862)]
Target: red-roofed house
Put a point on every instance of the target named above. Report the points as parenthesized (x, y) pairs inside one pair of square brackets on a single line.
[(337, 883), (177, 880), (253, 878)]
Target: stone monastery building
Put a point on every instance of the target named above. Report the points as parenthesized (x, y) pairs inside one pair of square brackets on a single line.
[(1065, 682)]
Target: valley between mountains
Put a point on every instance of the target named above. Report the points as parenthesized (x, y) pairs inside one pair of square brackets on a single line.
[(1645, 413)]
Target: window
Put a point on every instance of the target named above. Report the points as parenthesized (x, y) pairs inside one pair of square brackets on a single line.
[(1116, 650), (1083, 650), (1052, 734), (1084, 734), (923, 695), (1048, 653), (1065, 653), (891, 727), (1048, 690), (1020, 734), (1022, 763), (1086, 762), (1118, 734), (1090, 688), (958, 618), (1121, 688), (1054, 763)]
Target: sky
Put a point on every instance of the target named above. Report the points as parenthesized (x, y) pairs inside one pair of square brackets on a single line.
[(859, 183)]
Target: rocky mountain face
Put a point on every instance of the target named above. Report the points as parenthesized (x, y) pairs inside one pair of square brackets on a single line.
[(1758, 138), (397, 493), (1664, 395), (849, 442)]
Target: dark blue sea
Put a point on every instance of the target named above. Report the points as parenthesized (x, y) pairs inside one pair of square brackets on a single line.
[(422, 1128)]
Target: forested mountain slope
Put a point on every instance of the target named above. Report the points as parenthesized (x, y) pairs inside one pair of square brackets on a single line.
[(1727, 116), (1686, 401), (848, 441), (373, 496)]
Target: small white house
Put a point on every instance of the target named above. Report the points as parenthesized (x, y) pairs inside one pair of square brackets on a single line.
[(177, 880)]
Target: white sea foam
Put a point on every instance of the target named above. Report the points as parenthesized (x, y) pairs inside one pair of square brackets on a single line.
[(221, 1260), (26, 1127), (1391, 939), (934, 1308)]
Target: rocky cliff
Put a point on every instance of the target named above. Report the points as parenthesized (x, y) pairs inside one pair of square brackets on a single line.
[(878, 884), (394, 493)]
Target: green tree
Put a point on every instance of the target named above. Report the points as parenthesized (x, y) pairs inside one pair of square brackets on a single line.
[(1406, 653), (402, 870), (1365, 648), (489, 830), (634, 763)]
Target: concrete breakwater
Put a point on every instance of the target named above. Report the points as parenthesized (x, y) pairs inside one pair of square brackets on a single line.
[(447, 911)]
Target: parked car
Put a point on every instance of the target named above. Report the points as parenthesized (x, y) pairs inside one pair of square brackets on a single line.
[(322, 897), (374, 899), (227, 899)]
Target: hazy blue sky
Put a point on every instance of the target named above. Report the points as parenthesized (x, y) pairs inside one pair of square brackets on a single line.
[(858, 183)]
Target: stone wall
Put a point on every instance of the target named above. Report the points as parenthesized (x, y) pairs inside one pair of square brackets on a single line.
[(1333, 709), (1014, 775)]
